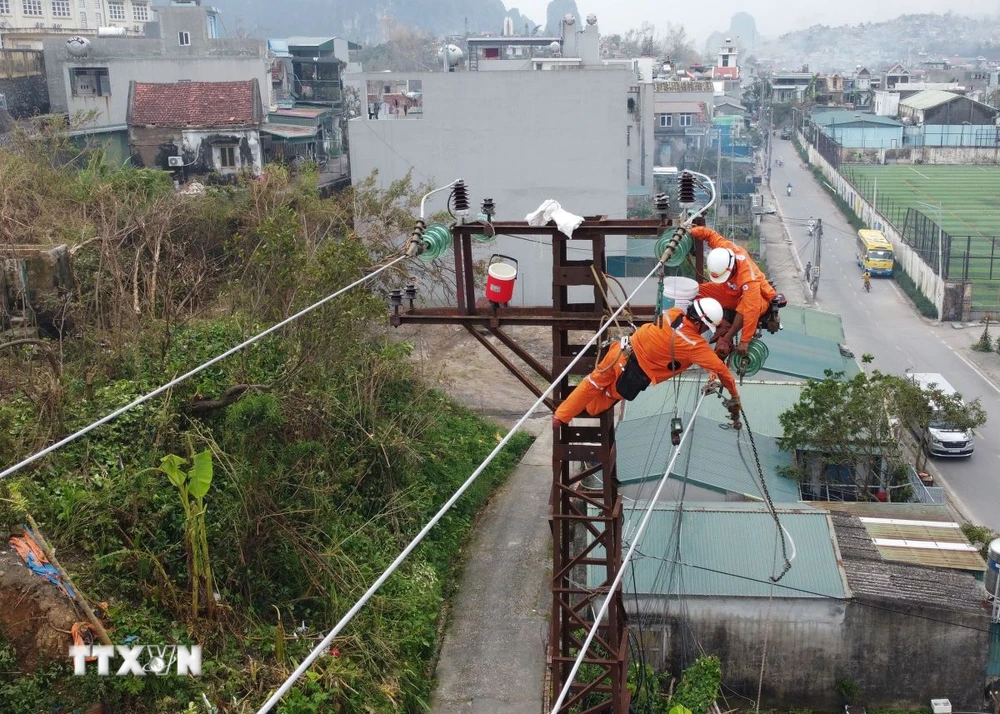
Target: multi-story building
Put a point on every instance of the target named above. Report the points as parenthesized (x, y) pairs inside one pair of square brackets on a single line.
[(90, 77), (790, 86), (682, 121), (25, 24)]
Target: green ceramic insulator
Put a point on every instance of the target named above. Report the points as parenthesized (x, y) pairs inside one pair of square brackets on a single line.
[(482, 237), (680, 254), (436, 239), (750, 364)]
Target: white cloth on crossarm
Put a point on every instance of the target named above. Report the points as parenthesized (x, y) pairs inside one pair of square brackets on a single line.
[(551, 211)]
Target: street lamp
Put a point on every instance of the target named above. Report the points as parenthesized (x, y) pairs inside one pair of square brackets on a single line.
[(937, 209)]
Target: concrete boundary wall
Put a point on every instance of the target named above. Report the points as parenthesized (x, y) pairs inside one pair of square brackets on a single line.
[(920, 272)]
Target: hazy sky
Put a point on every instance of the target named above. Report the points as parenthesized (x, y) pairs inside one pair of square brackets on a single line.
[(773, 17)]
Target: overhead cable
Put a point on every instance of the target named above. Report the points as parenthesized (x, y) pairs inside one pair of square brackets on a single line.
[(200, 368)]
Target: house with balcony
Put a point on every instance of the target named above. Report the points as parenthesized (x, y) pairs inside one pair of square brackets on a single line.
[(682, 121), (790, 86), (896, 75)]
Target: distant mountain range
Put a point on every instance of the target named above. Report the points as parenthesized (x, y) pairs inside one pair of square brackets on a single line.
[(909, 39), (362, 20)]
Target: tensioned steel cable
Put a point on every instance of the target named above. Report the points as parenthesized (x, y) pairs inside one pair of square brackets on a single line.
[(200, 368)]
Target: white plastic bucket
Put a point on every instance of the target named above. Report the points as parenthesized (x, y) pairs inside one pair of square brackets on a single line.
[(679, 292)]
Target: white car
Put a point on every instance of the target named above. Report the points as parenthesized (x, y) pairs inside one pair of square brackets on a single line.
[(942, 438)]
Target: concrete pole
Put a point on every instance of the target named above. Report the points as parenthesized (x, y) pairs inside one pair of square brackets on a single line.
[(819, 255)]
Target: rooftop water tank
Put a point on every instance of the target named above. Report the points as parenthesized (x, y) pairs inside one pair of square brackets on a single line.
[(78, 46), (111, 32), (992, 567)]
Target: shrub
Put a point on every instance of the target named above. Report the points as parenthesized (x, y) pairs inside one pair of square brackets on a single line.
[(924, 306), (985, 342)]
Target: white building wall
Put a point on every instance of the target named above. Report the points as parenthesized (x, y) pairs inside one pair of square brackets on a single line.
[(517, 137), (27, 21)]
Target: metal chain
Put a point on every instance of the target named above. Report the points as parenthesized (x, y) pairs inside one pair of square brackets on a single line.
[(767, 499)]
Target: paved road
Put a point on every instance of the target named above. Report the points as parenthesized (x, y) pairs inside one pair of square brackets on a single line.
[(884, 324)]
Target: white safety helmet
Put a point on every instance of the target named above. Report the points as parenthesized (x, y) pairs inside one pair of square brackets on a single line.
[(709, 311), (720, 264)]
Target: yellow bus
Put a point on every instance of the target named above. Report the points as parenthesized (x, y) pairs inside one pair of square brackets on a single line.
[(874, 252)]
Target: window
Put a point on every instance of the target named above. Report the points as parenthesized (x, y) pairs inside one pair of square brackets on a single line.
[(4, 7), (83, 20), (90, 82), (184, 39), (227, 157), (116, 10), (60, 8), (628, 169), (32, 7), (666, 120), (140, 11), (628, 135), (685, 120)]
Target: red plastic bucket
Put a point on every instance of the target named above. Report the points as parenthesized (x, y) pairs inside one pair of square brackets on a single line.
[(500, 279)]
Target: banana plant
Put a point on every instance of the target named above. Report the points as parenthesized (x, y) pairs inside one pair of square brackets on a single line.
[(192, 487)]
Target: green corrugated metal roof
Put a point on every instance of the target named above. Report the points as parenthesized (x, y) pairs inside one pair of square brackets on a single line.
[(710, 455), (928, 99), (815, 323), (730, 542), (806, 357), (846, 116), (764, 400)]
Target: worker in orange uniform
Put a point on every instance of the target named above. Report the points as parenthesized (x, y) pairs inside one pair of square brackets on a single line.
[(738, 284), (654, 354)]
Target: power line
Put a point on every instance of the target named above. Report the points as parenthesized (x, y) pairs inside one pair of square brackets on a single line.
[(200, 368), (325, 643), (625, 562)]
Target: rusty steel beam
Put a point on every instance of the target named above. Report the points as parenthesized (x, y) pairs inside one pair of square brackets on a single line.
[(590, 229), (522, 354), (511, 367)]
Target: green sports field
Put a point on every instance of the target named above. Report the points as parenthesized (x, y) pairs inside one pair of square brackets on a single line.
[(969, 197)]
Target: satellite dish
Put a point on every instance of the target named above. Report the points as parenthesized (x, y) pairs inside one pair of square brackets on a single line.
[(78, 46), (591, 19)]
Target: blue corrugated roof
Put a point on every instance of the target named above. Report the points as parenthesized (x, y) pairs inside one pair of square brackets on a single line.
[(730, 552), (711, 456)]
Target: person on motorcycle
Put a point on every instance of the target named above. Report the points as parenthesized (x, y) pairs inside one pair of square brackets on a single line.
[(789, 188), (812, 225), (866, 278)]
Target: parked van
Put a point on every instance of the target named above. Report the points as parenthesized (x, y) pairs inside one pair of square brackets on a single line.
[(943, 438)]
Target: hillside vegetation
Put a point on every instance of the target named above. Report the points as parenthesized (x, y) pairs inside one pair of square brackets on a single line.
[(328, 454)]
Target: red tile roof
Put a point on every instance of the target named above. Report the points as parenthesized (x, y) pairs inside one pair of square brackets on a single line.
[(195, 104), (725, 72)]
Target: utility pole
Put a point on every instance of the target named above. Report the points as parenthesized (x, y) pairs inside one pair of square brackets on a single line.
[(818, 256), (585, 507)]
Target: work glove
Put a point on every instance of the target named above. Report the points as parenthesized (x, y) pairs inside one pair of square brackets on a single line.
[(723, 346), (734, 406), (721, 330), (698, 221), (742, 348), (556, 422)]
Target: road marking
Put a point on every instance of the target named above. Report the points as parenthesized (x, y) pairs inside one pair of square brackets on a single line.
[(980, 436), (918, 173), (971, 366), (900, 349)]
